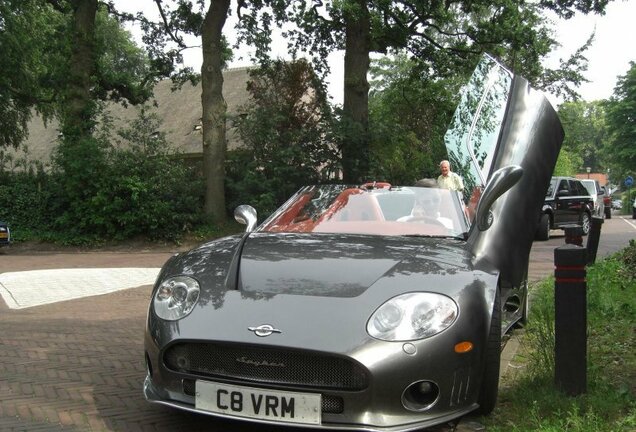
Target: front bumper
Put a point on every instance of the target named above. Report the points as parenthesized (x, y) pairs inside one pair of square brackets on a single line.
[(184, 402), (382, 405)]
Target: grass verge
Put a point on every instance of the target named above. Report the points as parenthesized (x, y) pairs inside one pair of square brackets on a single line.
[(528, 399)]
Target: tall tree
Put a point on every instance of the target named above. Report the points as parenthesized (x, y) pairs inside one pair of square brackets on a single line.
[(97, 47), (585, 133), (60, 57), (214, 109), (285, 128), (354, 147), (409, 111), (30, 49), (621, 121), (448, 37), (78, 114), (184, 17)]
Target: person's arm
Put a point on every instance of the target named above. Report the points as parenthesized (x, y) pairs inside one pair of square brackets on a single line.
[(460, 183)]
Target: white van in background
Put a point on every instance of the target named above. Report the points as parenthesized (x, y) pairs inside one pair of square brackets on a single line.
[(596, 192)]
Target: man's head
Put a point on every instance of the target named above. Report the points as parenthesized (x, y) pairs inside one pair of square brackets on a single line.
[(444, 167), (426, 203), (426, 182)]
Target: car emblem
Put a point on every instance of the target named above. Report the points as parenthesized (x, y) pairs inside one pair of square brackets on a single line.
[(259, 363), (264, 330)]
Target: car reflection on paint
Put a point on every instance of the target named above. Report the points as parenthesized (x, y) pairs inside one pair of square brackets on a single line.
[(365, 307)]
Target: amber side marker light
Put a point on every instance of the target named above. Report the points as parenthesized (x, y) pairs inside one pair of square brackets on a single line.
[(463, 347)]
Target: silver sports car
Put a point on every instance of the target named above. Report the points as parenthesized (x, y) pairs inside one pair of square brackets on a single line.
[(369, 307)]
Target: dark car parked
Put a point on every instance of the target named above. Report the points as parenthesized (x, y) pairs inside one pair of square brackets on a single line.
[(5, 234), (567, 202)]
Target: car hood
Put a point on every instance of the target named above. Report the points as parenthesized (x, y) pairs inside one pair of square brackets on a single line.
[(336, 265), (330, 265), (336, 281)]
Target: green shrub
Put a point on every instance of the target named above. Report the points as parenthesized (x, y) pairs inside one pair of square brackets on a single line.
[(101, 190), (26, 199), (531, 401)]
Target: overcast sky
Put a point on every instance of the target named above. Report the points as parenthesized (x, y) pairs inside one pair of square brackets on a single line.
[(613, 48)]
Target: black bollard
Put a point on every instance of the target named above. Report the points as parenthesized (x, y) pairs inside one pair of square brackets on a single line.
[(593, 238), (573, 234), (570, 319)]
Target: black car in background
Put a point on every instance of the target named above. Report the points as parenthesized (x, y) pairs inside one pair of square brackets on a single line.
[(567, 202), (5, 234)]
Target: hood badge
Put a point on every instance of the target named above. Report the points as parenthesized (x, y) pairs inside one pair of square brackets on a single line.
[(264, 330)]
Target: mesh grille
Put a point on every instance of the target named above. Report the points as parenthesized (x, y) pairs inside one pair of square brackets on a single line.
[(266, 365)]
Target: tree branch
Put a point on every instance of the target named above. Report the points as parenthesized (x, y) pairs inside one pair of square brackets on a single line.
[(177, 39)]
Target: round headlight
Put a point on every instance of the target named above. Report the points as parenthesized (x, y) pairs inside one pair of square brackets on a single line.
[(412, 316), (176, 297), (388, 317)]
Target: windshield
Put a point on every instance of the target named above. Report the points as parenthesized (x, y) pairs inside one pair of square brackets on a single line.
[(388, 211), (590, 186)]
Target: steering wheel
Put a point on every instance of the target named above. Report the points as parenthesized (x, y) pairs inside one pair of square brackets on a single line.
[(427, 220)]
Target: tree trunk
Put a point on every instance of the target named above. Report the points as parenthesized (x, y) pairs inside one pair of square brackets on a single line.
[(355, 147), (79, 108), (214, 110)]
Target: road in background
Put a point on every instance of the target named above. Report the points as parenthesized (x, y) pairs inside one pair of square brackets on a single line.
[(615, 236)]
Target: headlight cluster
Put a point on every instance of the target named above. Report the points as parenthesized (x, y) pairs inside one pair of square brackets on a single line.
[(412, 316), (176, 297)]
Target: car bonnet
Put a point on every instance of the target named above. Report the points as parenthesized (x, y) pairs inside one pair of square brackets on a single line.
[(337, 265)]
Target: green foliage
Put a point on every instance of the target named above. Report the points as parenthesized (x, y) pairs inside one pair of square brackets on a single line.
[(567, 164), (102, 190), (123, 71), (620, 121), (285, 135), (585, 134), (409, 112), (532, 403), (29, 42), (27, 201)]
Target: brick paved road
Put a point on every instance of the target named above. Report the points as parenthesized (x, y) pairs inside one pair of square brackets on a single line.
[(78, 365)]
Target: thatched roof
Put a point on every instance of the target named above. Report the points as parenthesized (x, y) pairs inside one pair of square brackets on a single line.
[(180, 113)]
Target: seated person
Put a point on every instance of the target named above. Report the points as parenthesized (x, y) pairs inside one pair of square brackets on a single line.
[(426, 204)]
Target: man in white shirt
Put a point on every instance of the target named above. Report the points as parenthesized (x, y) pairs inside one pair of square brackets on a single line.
[(448, 179)]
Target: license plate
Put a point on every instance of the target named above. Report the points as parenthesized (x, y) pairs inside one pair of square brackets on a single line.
[(4, 235), (250, 402)]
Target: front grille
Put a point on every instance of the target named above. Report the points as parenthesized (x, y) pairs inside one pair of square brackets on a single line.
[(266, 365), (330, 404)]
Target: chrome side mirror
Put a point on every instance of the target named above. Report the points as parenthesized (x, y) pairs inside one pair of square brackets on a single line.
[(502, 180), (246, 215)]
